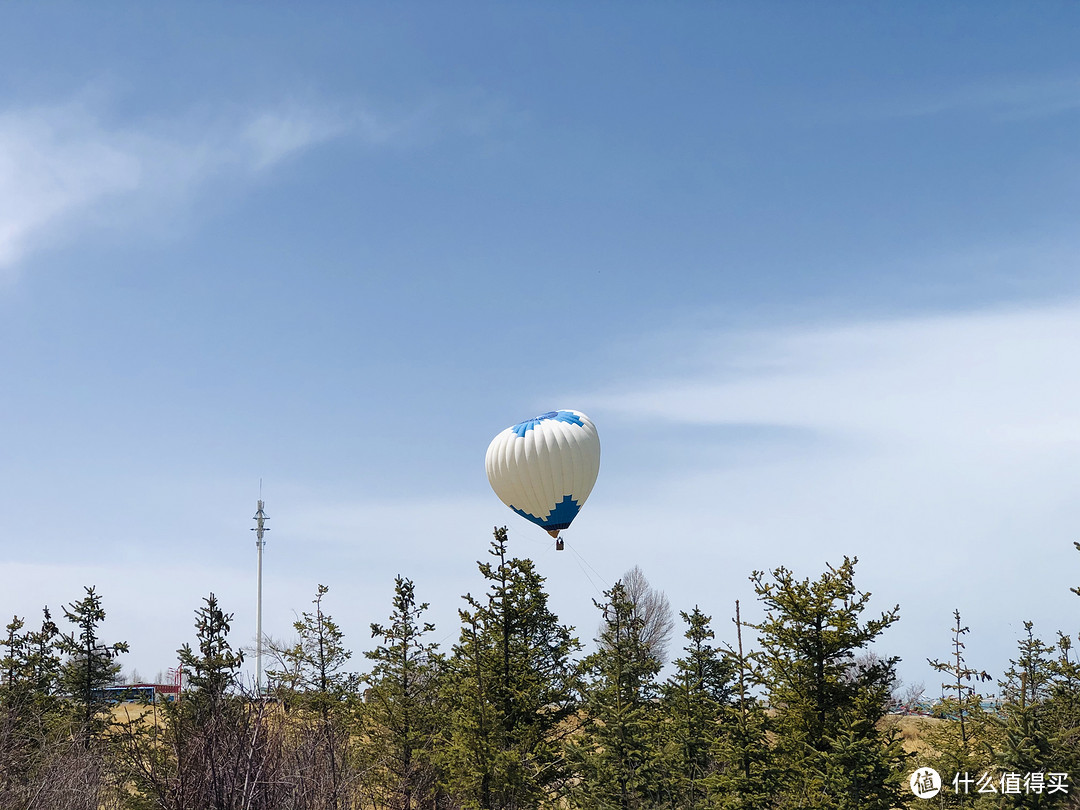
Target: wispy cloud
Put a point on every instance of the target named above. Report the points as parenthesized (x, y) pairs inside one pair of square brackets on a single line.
[(60, 163), (68, 165), (1008, 98), (945, 455), (991, 379), (275, 135)]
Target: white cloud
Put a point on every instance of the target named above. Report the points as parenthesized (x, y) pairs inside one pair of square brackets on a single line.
[(68, 166), (60, 164), (275, 135), (945, 455), (51, 163), (1017, 97), (999, 382)]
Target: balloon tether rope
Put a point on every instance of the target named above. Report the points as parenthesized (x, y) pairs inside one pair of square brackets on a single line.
[(586, 573)]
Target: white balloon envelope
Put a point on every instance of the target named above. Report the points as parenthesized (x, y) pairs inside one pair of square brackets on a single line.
[(545, 468)]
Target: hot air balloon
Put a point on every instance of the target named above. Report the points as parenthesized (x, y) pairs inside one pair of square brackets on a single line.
[(545, 467)]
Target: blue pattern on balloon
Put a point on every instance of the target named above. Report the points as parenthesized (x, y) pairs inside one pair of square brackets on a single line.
[(558, 518), (521, 428)]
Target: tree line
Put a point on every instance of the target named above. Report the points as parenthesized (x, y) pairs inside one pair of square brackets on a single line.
[(514, 715)]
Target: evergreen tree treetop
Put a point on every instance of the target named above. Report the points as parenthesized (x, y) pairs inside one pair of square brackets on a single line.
[(826, 701), (91, 665), (809, 638), (620, 750), (401, 714), (211, 671), (312, 670), (511, 684)]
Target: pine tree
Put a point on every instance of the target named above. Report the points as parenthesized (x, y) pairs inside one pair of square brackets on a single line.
[(510, 687), (745, 777), (1062, 714), (214, 748), (43, 659), (964, 742), (204, 725), (16, 745), (694, 700), (210, 671), (13, 664), (30, 668), (312, 673), (618, 753), (826, 707), (201, 723), (91, 665), (314, 681), (1026, 746), (402, 712), (30, 709)]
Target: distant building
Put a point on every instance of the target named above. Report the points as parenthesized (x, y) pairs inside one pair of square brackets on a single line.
[(139, 693)]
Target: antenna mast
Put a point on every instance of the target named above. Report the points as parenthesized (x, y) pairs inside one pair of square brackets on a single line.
[(260, 527)]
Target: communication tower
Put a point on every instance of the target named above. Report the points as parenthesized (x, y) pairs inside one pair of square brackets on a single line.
[(260, 527)]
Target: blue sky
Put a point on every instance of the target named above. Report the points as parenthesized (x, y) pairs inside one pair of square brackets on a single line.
[(812, 271)]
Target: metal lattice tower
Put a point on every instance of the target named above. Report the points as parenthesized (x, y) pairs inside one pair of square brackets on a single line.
[(260, 527)]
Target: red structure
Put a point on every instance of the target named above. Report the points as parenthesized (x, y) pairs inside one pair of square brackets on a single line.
[(145, 692)]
